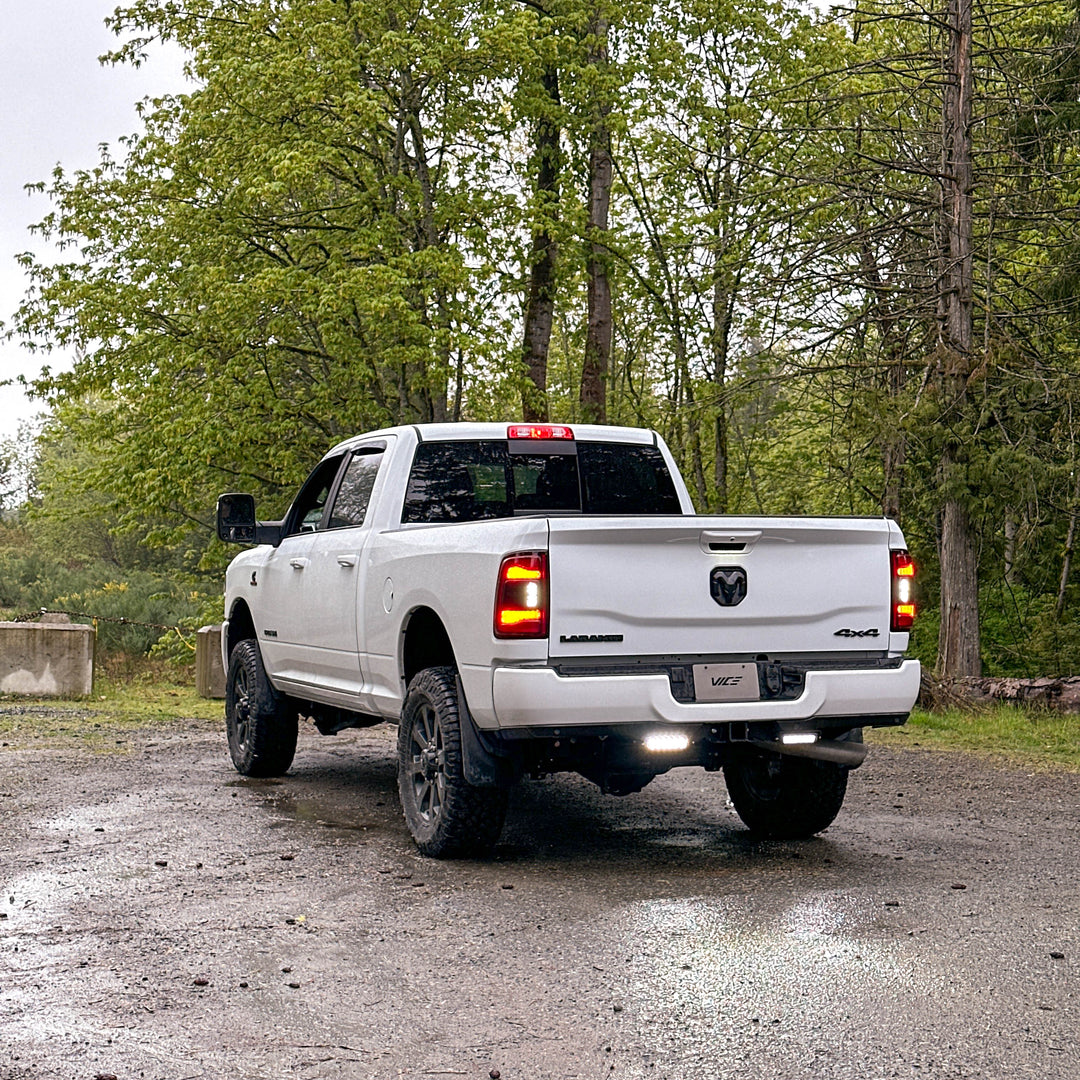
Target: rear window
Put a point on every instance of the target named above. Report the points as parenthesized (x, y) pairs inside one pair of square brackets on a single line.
[(470, 481)]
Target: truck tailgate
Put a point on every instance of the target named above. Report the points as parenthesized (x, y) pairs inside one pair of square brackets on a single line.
[(669, 586)]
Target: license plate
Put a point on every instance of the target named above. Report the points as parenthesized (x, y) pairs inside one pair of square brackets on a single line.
[(726, 682)]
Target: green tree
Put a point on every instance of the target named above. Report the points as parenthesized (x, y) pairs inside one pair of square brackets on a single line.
[(18, 469), (706, 219), (291, 252), (834, 281), (920, 273)]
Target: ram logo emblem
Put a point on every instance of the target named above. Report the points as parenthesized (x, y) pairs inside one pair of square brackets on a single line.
[(728, 585)]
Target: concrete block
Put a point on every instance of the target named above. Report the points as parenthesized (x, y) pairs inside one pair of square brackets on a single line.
[(209, 673), (47, 660)]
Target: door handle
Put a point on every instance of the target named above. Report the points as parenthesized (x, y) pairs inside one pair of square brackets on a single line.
[(717, 542), (298, 564), (346, 560)]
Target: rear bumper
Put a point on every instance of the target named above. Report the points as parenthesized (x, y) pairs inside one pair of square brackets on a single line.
[(541, 698)]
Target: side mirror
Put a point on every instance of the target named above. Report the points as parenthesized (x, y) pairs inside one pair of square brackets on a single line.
[(236, 518)]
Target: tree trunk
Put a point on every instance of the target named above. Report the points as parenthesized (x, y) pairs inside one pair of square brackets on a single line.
[(697, 460), (597, 360), (1066, 560), (540, 307), (958, 645), (893, 440), (894, 456), (894, 449), (434, 387), (1011, 530), (722, 303)]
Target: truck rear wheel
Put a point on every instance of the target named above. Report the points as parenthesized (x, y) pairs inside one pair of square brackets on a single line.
[(447, 816), (260, 723), (785, 798)]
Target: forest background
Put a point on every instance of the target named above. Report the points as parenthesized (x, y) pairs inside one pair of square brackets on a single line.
[(832, 257)]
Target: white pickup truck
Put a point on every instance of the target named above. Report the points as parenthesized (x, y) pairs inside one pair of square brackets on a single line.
[(525, 599)]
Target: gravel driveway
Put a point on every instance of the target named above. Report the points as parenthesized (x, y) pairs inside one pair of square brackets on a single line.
[(163, 918)]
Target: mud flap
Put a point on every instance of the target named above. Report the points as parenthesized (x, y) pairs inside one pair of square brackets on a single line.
[(483, 764)]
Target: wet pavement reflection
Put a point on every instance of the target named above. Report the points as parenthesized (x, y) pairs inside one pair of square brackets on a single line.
[(166, 918)]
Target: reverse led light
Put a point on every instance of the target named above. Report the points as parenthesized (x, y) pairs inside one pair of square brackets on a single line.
[(539, 431), (799, 738), (521, 596), (903, 591), (661, 742)]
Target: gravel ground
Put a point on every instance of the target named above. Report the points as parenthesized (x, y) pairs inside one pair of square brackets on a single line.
[(162, 917)]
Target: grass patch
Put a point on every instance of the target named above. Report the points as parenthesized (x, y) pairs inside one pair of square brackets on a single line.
[(130, 695), (1030, 736), (138, 694)]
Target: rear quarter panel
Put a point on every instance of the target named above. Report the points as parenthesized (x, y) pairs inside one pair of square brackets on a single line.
[(451, 569)]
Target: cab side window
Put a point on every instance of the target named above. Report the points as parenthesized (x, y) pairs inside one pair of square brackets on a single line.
[(354, 493), (307, 511)]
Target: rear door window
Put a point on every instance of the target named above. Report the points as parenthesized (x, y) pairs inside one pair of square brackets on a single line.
[(354, 492)]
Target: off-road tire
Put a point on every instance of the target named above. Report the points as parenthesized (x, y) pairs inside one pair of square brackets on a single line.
[(447, 816), (261, 723), (780, 797)]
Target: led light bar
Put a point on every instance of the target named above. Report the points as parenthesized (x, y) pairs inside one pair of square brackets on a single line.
[(799, 738), (661, 742)]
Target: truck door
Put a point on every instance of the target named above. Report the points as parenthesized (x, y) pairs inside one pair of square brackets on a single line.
[(283, 581), (334, 579)]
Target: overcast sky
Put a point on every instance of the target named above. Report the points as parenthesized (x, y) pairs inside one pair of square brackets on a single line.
[(59, 105)]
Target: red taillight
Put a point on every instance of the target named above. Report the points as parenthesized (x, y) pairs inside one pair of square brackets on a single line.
[(903, 591), (539, 431), (521, 596)]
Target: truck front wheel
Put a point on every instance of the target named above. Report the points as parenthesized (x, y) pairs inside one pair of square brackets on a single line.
[(785, 798), (447, 816), (260, 723)]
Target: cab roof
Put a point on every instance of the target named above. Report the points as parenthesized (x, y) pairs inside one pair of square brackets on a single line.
[(467, 431)]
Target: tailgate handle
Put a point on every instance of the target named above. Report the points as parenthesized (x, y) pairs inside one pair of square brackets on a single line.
[(716, 542)]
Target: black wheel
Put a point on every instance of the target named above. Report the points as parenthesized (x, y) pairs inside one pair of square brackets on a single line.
[(260, 722), (447, 816), (785, 798)]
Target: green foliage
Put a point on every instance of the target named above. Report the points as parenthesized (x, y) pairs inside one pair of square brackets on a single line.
[(331, 232), (31, 582), (282, 258), (1029, 736), (67, 555), (18, 460)]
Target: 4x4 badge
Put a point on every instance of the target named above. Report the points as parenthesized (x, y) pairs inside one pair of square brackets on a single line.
[(856, 633), (728, 585)]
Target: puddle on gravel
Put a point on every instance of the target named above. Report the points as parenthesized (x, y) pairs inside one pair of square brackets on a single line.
[(719, 953), (309, 812)]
